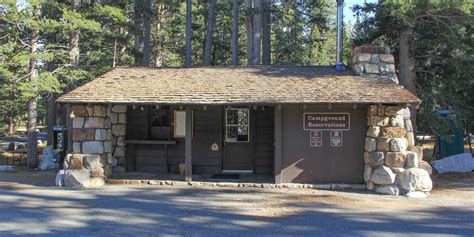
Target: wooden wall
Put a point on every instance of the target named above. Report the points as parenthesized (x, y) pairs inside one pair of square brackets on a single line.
[(208, 129)]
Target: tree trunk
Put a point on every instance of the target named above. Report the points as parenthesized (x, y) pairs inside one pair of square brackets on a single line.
[(188, 32), (51, 116), (32, 102), (74, 39), (159, 8), (257, 32), (11, 126), (211, 21), (138, 37), (147, 33), (249, 5), (407, 66), (266, 41), (235, 32)]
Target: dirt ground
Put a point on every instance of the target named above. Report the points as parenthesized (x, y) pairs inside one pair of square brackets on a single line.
[(31, 204)]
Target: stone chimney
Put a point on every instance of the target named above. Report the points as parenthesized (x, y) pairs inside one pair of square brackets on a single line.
[(373, 61)]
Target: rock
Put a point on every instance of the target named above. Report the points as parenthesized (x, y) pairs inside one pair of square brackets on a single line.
[(411, 159), (113, 161), (118, 169), (370, 144), (373, 131), (93, 147), (376, 158), (119, 152), (372, 110), (378, 120), (383, 144), (381, 110), (393, 132), (67, 161), (375, 59), (392, 110), (398, 144), (119, 108), (100, 111), (94, 122), (59, 181), (90, 134), (386, 68), (415, 179), (416, 195), (7, 168), (357, 68), (408, 125), (77, 178), (122, 118), (76, 147), (410, 138), (113, 117), (76, 162), (370, 186), (395, 159), (425, 166), (78, 135), (391, 189), (397, 121), (362, 57), (100, 134), (366, 157), (77, 122), (417, 149), (371, 68), (118, 130), (367, 173), (121, 141), (107, 146), (90, 109), (383, 175), (387, 58), (397, 170), (97, 172), (79, 111), (92, 162), (97, 182)]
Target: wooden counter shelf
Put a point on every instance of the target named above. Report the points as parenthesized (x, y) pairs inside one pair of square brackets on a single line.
[(151, 142)]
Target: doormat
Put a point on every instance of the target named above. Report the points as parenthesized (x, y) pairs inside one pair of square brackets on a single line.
[(226, 176)]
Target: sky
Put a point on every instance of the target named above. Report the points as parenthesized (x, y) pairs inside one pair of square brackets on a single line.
[(348, 14)]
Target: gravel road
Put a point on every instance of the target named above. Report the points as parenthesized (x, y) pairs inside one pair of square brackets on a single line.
[(30, 207)]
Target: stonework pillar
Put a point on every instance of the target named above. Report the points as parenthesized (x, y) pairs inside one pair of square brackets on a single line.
[(100, 130), (390, 166)]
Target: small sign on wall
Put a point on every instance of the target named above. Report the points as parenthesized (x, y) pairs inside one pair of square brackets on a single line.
[(316, 138), (336, 138)]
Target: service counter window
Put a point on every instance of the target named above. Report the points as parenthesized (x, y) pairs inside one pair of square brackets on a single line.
[(237, 125), (161, 122)]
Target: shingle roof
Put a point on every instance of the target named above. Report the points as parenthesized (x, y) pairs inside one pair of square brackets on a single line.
[(237, 85)]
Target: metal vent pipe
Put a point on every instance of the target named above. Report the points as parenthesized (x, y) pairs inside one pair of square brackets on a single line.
[(339, 65)]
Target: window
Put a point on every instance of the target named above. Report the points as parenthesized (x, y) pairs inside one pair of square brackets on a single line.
[(237, 125), (161, 122)]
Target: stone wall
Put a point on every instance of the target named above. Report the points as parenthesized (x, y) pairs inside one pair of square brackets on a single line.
[(391, 160), (100, 130), (373, 60)]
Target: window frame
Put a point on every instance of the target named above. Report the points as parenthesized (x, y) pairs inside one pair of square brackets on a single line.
[(237, 125)]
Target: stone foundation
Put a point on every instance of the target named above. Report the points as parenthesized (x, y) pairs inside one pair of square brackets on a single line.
[(100, 130), (391, 160)]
